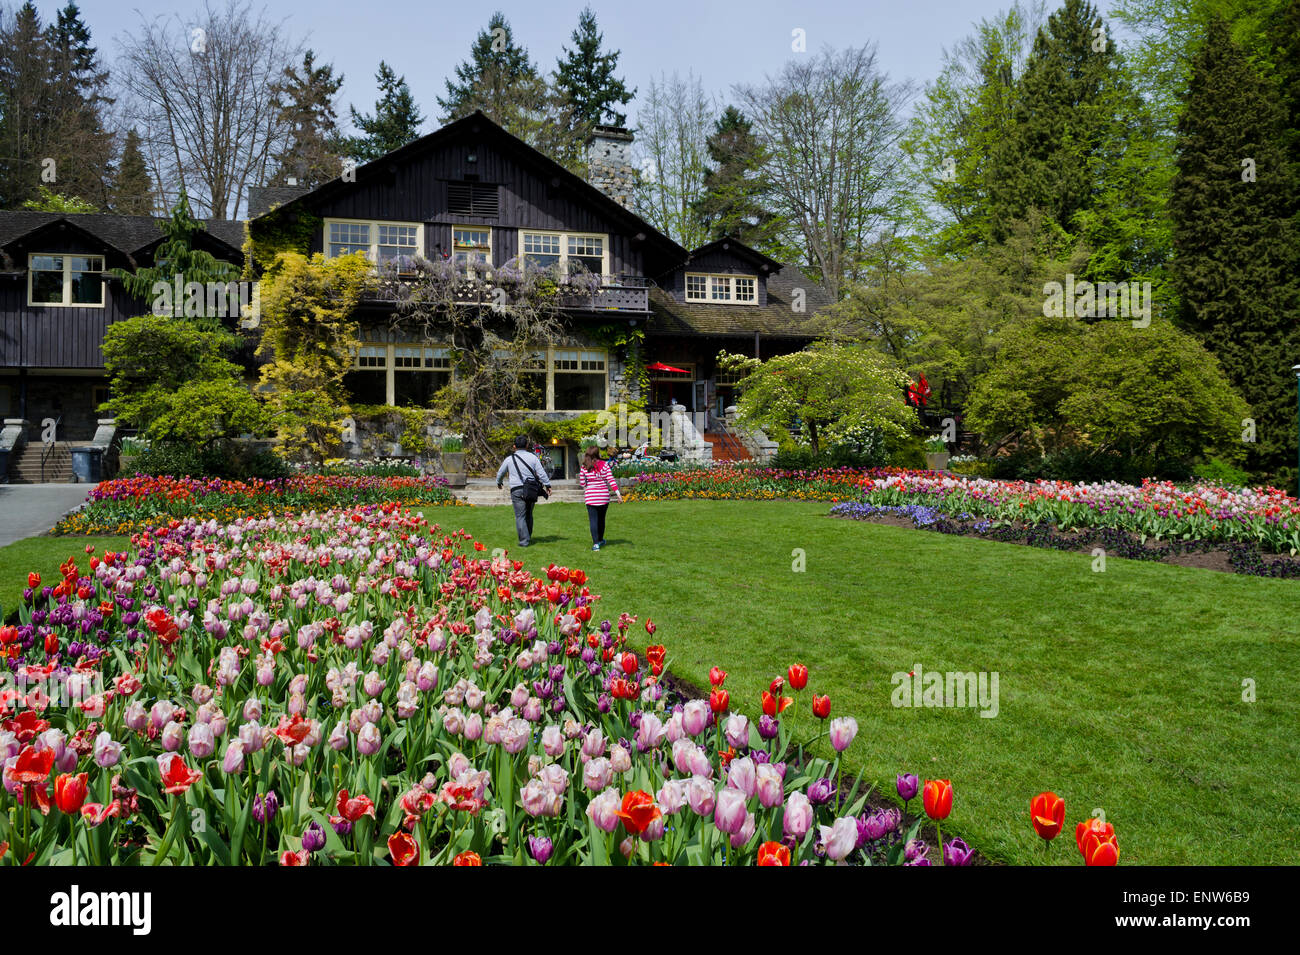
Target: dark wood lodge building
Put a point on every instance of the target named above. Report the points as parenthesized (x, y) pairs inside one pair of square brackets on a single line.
[(470, 193)]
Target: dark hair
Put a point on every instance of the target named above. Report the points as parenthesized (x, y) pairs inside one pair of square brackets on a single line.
[(521, 442), (590, 457)]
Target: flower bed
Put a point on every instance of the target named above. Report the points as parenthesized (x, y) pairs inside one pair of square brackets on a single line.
[(355, 687), (731, 482), (1155, 509), (131, 505)]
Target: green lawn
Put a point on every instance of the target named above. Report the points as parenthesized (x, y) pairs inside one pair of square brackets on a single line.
[(1121, 691)]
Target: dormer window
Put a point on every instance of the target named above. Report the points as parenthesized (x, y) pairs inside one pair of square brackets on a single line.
[(728, 289)]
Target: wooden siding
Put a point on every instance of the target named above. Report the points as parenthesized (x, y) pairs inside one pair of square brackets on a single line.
[(416, 191), (716, 262), (44, 337)]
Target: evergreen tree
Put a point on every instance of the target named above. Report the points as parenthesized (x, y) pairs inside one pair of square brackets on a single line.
[(396, 120), (80, 144), (1235, 239), (25, 70), (305, 98), (495, 65), (132, 188), (586, 77), (735, 188)]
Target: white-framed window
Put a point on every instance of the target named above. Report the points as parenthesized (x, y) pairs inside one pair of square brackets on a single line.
[(65, 281), (567, 252), (380, 241), (471, 248), (731, 289)]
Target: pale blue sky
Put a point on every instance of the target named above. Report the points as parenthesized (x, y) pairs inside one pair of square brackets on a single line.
[(723, 42)]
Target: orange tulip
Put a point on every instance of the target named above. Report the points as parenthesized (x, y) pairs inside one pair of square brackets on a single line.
[(70, 792), (467, 858), (938, 798), (1096, 841), (1047, 812), (775, 705), (403, 849), (638, 811), (773, 853)]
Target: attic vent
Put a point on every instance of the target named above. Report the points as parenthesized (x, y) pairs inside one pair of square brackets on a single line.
[(472, 199)]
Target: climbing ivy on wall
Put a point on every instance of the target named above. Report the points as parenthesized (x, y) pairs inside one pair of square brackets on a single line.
[(277, 231)]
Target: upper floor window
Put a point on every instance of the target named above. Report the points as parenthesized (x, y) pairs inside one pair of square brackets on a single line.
[(65, 280), (565, 252), (734, 289), (473, 199), (380, 241), (471, 248)]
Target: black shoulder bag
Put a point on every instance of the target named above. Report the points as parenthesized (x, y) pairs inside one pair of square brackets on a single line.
[(533, 486)]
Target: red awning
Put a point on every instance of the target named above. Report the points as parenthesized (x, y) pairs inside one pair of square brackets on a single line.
[(660, 366)]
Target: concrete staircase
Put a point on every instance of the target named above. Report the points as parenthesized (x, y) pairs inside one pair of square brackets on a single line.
[(483, 492), (25, 467), (726, 447)]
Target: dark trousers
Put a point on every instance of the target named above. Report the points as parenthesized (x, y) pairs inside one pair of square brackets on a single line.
[(523, 515), (596, 518)]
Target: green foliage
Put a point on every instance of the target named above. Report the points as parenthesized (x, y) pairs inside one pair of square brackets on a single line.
[(177, 256), (204, 411), (413, 435), (395, 122), (736, 190), (304, 98), (1108, 387), (1079, 464), (150, 359), (823, 391), (227, 459), (309, 332), (47, 200), (453, 443), (1218, 471), (277, 231), (585, 75), (132, 187), (571, 430), (1238, 241), (904, 451)]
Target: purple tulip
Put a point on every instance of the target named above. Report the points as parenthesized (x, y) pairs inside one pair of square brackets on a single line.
[(908, 785), (821, 792), (914, 850), (957, 853), (768, 727), (266, 806), (313, 838), (540, 848)]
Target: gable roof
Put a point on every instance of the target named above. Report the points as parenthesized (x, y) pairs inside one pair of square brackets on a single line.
[(776, 319), (733, 246), (478, 124), (126, 234)]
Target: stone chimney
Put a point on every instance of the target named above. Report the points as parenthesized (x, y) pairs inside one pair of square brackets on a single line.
[(609, 167)]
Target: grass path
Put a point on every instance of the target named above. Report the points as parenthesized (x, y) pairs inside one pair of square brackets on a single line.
[(1121, 691)]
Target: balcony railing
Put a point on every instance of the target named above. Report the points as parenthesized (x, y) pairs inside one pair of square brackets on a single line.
[(621, 293)]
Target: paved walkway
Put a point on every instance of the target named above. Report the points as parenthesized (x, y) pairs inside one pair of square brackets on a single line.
[(27, 510)]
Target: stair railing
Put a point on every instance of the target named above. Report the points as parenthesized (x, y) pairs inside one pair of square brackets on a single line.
[(48, 451)]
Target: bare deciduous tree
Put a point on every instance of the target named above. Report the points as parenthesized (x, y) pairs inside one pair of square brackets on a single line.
[(202, 92), (673, 128), (832, 124)]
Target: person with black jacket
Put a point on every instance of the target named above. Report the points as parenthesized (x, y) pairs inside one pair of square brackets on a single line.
[(528, 481)]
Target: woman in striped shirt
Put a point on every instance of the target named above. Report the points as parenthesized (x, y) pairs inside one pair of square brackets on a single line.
[(597, 482)]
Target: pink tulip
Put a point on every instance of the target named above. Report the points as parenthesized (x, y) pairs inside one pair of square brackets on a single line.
[(619, 758), (519, 696), (136, 717), (695, 717), (729, 812), (770, 786), (540, 800), (553, 741), (453, 721), (671, 796), (250, 734), (675, 730), (798, 815), (369, 740), (515, 736), (598, 772), (554, 776), (173, 735), (842, 731), (683, 752), (593, 744), (603, 810), (651, 732), (742, 776), (202, 741), (473, 726), (741, 838), (736, 729), (233, 761), (700, 795), (428, 677), (841, 838), (107, 752)]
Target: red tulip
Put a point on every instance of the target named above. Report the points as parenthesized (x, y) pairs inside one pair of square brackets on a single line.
[(32, 768), (51, 643), (467, 858), (1047, 812), (776, 686), (8, 635), (178, 777), (290, 858), (798, 676), (630, 663), (821, 707), (637, 812), (1096, 841), (719, 700), (70, 792), (650, 627), (773, 853), (656, 657), (774, 705), (33, 580), (938, 799), (353, 808), (403, 849), (717, 676)]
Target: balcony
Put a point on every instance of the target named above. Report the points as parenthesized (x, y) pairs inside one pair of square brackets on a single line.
[(621, 293)]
